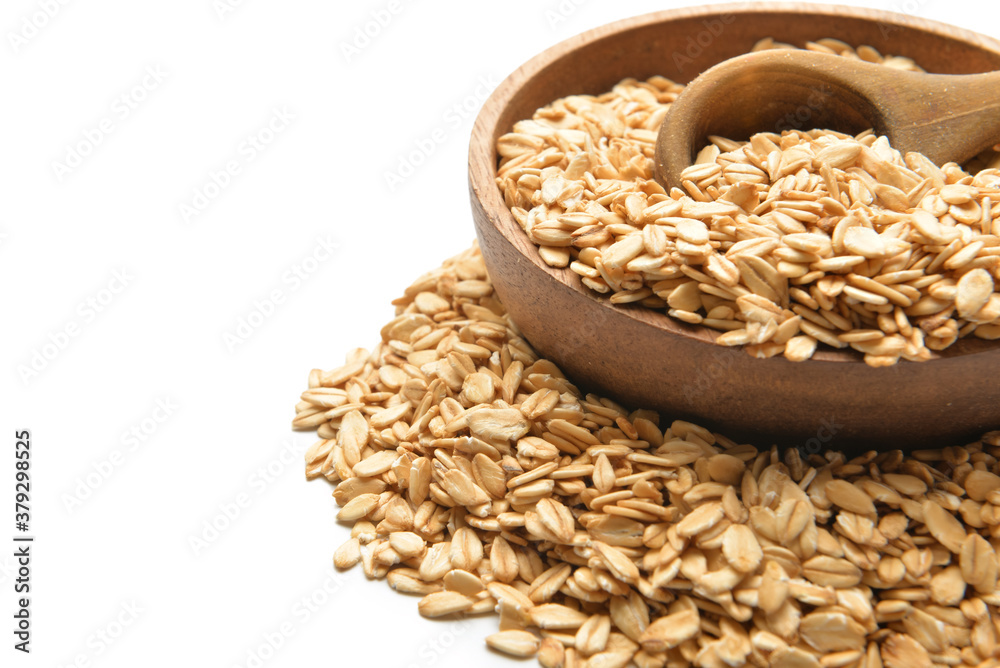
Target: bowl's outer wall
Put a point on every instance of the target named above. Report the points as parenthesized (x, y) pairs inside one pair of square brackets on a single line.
[(647, 360)]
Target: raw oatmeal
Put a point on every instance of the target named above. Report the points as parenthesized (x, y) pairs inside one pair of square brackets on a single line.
[(479, 478), (781, 243)]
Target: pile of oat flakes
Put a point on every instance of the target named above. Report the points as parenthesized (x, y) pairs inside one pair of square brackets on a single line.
[(479, 478)]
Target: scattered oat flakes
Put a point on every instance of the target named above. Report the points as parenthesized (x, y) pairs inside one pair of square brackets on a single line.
[(609, 536)]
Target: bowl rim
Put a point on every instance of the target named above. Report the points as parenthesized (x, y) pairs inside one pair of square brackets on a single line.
[(483, 156)]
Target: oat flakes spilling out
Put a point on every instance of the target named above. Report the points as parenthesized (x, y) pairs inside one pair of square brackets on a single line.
[(479, 478), (783, 242)]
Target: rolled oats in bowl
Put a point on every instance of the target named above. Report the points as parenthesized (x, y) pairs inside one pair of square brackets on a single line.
[(790, 240), (480, 479)]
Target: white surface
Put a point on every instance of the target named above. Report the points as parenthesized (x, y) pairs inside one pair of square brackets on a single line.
[(161, 337)]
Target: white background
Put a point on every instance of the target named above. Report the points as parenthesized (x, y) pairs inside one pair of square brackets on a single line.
[(184, 285)]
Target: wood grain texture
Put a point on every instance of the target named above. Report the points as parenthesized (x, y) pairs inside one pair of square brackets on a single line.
[(947, 117), (645, 359)]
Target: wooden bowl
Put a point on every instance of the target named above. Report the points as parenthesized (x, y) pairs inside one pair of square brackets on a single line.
[(645, 359)]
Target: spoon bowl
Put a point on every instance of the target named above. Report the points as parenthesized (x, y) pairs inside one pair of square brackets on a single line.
[(948, 118), (645, 359)]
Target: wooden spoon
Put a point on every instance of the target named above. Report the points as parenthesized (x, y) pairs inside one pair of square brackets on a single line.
[(643, 357), (948, 118)]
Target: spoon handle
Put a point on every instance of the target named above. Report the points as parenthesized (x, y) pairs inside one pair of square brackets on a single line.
[(947, 117)]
